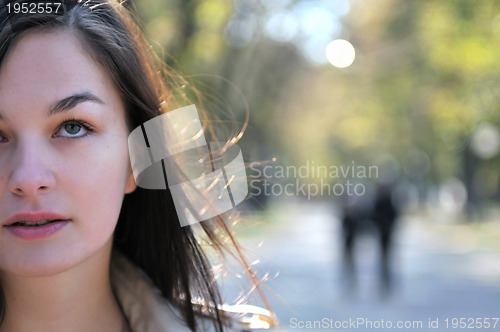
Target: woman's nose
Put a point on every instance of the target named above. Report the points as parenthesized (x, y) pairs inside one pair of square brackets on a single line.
[(31, 172)]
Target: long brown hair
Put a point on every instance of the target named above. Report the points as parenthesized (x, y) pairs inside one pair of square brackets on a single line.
[(148, 231)]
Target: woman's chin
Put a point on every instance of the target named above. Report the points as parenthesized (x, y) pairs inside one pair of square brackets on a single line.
[(46, 262), (40, 271), (38, 265), (54, 257)]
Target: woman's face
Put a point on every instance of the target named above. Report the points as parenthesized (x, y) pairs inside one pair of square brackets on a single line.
[(63, 149)]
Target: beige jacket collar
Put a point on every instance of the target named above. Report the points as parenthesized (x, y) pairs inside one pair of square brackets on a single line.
[(142, 304)]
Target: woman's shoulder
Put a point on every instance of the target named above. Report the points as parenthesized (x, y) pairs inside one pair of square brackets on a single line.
[(147, 311), (245, 318)]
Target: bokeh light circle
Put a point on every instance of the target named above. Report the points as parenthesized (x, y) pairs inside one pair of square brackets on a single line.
[(340, 53)]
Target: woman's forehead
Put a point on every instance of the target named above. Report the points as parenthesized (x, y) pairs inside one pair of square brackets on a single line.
[(48, 56), (45, 66)]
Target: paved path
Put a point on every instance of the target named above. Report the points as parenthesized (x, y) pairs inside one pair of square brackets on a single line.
[(436, 277)]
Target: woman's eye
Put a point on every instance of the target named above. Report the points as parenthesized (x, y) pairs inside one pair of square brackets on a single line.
[(73, 129), (2, 138)]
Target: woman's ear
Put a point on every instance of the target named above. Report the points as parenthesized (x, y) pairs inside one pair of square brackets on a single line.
[(130, 185)]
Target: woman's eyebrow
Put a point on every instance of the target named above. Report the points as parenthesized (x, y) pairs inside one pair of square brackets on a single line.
[(70, 102)]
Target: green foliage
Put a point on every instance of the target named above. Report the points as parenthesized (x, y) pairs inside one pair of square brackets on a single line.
[(426, 75)]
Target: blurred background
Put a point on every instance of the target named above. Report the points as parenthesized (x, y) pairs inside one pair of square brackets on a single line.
[(372, 147)]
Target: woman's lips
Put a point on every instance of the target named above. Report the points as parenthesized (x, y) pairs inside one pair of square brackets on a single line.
[(34, 217), (23, 224), (37, 232)]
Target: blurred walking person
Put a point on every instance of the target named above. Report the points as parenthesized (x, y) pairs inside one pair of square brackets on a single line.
[(381, 214)]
